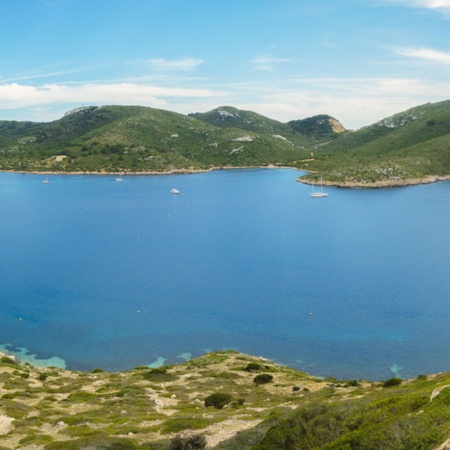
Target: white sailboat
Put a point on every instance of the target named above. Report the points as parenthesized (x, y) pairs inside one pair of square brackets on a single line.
[(320, 193), (46, 181), (119, 178)]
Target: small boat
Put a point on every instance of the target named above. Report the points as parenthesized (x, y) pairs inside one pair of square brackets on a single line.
[(119, 178), (317, 194), (174, 191), (46, 181)]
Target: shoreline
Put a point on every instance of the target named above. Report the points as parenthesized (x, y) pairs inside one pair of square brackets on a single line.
[(382, 184), (148, 172)]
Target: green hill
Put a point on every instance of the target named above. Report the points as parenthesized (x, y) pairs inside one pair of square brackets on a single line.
[(408, 147), (227, 400), (140, 139), (230, 117), (309, 131)]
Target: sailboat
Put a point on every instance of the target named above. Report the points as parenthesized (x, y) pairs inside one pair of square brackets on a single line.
[(317, 194), (119, 178), (46, 181)]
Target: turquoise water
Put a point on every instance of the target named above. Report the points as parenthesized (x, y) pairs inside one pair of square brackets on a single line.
[(95, 273)]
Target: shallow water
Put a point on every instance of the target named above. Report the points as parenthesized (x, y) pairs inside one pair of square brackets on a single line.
[(114, 275)]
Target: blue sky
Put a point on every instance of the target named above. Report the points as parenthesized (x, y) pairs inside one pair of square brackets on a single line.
[(357, 60)]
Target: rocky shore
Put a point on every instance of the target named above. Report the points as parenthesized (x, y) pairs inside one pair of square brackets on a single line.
[(378, 184)]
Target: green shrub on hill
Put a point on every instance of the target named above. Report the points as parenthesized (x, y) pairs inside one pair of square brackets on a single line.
[(218, 400), (263, 378), (192, 442)]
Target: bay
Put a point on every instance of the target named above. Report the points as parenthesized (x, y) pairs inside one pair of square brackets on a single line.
[(96, 273)]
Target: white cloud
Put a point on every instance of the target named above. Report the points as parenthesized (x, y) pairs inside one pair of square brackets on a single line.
[(356, 102), (20, 96), (267, 62), (439, 5), (165, 65), (426, 54)]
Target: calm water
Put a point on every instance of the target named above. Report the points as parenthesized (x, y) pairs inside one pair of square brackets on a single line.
[(95, 273)]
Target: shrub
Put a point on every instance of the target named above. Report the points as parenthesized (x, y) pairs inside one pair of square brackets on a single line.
[(8, 360), (193, 442), (252, 367), (158, 374), (42, 376), (178, 424), (263, 378), (392, 382), (97, 370), (295, 388), (218, 400)]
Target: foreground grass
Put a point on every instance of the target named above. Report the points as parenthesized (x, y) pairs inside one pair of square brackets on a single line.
[(146, 408)]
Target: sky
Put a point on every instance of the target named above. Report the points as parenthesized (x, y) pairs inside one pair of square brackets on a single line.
[(357, 60)]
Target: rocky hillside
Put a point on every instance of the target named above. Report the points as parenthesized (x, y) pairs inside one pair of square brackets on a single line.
[(407, 148), (309, 131), (222, 400)]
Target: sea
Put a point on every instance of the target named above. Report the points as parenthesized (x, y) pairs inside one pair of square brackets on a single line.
[(100, 273)]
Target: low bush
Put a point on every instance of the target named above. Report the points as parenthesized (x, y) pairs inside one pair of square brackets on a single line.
[(8, 360), (158, 374), (218, 400), (252, 367), (178, 424), (42, 376), (392, 382), (263, 378), (192, 442)]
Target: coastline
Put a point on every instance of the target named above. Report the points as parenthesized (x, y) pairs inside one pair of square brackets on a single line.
[(382, 184), (148, 172)]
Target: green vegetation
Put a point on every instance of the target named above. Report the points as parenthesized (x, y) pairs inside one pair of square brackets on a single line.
[(408, 147), (213, 401), (158, 374), (218, 400), (253, 367), (193, 442), (138, 139), (392, 382), (263, 378)]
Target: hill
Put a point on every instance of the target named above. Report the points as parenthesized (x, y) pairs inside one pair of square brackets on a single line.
[(407, 148), (225, 399), (140, 139), (309, 131)]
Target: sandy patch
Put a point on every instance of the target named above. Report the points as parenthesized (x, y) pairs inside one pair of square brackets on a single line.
[(227, 429), (6, 424)]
